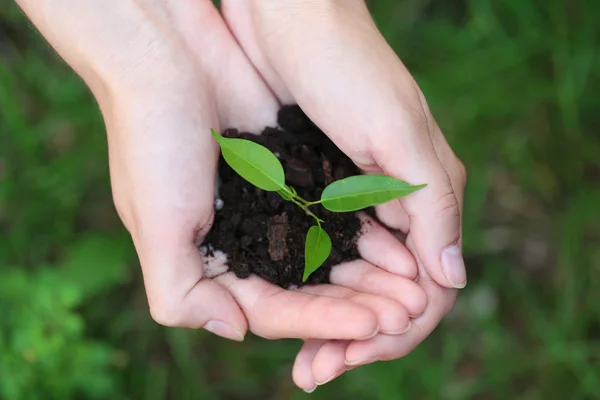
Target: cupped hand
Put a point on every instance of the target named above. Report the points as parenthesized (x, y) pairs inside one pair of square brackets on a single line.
[(329, 57), (163, 74)]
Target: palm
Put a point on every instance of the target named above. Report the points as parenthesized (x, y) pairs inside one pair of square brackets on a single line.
[(162, 81), (247, 102), (338, 311), (319, 360)]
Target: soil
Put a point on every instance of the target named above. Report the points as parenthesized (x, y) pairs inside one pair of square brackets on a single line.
[(263, 234)]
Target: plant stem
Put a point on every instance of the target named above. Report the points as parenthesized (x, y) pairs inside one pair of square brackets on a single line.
[(305, 208), (300, 199), (312, 203), (319, 220), (303, 204), (296, 202)]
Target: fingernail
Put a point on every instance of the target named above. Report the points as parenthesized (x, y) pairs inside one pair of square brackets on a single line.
[(310, 390), (223, 329), (454, 266), (372, 335), (332, 377), (361, 361), (402, 332)]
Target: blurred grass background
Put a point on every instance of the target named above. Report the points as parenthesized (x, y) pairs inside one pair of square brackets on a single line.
[(514, 85)]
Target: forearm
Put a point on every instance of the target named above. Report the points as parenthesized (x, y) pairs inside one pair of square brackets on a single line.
[(112, 43)]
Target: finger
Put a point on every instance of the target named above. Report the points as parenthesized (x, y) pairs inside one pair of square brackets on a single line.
[(435, 211), (390, 214), (273, 312), (386, 347), (393, 216), (379, 247), (239, 17), (219, 55), (302, 370), (327, 34), (363, 277), (434, 215), (455, 168), (392, 317), (163, 187), (328, 363)]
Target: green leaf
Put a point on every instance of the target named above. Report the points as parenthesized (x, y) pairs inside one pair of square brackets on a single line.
[(253, 162), (362, 191), (286, 193), (318, 247)]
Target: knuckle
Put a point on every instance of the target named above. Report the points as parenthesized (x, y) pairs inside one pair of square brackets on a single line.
[(166, 314), (447, 205), (416, 116)]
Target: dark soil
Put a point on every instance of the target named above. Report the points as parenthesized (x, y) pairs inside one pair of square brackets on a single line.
[(263, 234)]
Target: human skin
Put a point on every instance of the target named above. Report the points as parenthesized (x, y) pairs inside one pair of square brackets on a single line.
[(165, 72), (330, 58)]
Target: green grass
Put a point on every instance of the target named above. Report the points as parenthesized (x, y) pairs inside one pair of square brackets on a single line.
[(514, 85)]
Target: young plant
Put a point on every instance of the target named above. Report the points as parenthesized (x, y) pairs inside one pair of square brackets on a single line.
[(259, 166)]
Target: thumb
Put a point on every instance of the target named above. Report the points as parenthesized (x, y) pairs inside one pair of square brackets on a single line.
[(435, 229), (434, 211), (163, 162), (380, 124), (167, 228), (179, 293)]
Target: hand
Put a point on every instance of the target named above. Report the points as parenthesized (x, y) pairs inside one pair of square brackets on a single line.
[(329, 57), (164, 73)]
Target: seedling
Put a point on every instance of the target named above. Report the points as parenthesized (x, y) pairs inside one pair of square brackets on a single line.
[(259, 166)]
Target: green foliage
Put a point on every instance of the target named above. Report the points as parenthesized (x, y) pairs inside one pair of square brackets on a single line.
[(42, 334), (260, 167), (252, 162), (358, 192), (316, 251), (43, 340), (286, 195)]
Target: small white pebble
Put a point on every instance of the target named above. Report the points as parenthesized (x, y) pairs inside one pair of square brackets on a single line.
[(214, 265), (292, 287), (277, 154), (219, 203)]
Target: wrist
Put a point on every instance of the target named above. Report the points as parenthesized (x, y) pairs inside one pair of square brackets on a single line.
[(121, 46), (303, 6)]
